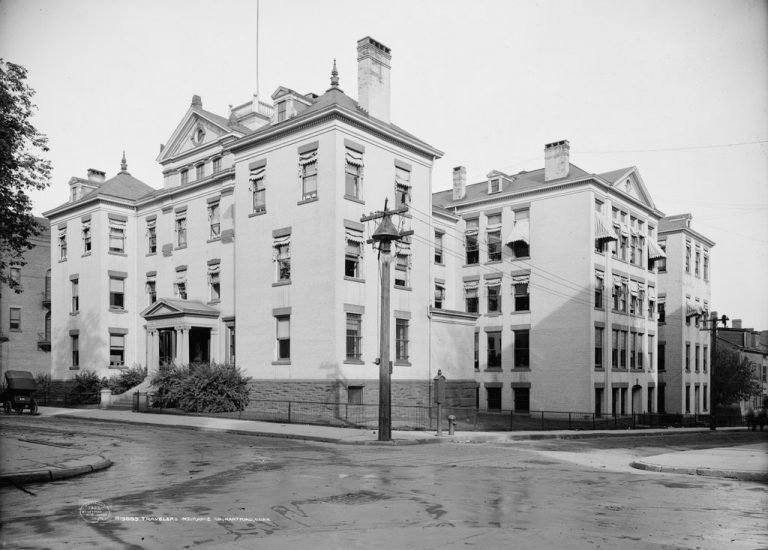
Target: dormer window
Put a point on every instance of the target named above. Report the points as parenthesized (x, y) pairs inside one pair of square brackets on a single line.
[(494, 185), (281, 110)]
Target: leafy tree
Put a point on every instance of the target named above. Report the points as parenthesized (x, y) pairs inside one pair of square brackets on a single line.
[(21, 169), (732, 378)]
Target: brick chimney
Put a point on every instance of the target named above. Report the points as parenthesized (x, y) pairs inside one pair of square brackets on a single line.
[(95, 175), (735, 323), (459, 182), (373, 67), (556, 160)]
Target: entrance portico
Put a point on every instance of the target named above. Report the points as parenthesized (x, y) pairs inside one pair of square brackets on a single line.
[(181, 332)]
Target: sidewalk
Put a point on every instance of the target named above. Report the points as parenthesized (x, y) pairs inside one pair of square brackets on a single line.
[(27, 460)]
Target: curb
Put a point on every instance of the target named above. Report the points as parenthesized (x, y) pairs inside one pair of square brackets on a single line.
[(575, 435), (705, 472), (63, 470)]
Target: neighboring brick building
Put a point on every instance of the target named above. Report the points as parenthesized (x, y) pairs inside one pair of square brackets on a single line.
[(25, 318), (752, 345)]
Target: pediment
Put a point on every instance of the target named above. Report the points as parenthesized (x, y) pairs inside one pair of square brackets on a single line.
[(172, 307), (632, 184), (194, 131), (160, 309)]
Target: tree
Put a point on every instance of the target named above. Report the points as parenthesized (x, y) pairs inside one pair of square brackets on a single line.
[(21, 168), (732, 378)]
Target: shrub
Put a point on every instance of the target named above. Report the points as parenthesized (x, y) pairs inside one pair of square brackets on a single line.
[(127, 379), (43, 381), (85, 388), (202, 387)]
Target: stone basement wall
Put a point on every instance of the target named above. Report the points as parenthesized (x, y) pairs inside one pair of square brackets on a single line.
[(459, 393)]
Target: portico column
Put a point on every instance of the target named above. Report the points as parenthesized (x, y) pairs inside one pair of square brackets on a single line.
[(183, 350)]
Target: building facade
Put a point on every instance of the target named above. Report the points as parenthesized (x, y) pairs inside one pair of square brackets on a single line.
[(25, 317), (751, 345), (684, 305), (559, 265), (253, 252)]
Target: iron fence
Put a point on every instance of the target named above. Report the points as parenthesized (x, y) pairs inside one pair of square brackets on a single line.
[(68, 399)]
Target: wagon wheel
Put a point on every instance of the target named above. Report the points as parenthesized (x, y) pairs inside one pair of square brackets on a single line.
[(33, 407)]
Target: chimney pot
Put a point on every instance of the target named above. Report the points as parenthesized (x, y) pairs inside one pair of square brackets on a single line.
[(557, 160), (373, 70), (459, 182), (96, 175)]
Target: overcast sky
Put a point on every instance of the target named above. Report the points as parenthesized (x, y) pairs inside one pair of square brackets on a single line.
[(677, 88)]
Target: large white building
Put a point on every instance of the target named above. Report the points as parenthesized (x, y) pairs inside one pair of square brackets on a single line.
[(253, 251)]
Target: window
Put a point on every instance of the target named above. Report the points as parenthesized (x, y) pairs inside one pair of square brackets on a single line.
[(353, 174), (354, 395), (615, 348), (704, 395), (623, 297), (651, 347), (116, 350), (522, 399), (477, 351), (662, 312), (354, 337), (152, 236), (283, 337), (116, 293), (214, 282), (639, 350), (623, 246), (471, 244), (651, 306), (520, 239), (522, 296), (75, 295), (522, 351), (86, 237), (15, 319), (214, 222), (116, 236), (599, 347), (308, 167), (62, 243), (494, 398), (217, 165), (438, 247), (706, 275), (493, 291), (696, 265), (599, 288), (281, 110), (661, 348), (282, 258), (439, 296), (401, 340), (402, 187), (494, 350), (494, 246), (198, 172), (402, 267), (470, 297), (353, 253), (696, 357), (687, 398), (623, 348), (494, 186), (74, 341), (688, 257), (633, 309), (258, 190), (231, 348), (705, 359), (687, 357), (151, 291), (180, 286), (181, 231), (184, 176), (616, 294)]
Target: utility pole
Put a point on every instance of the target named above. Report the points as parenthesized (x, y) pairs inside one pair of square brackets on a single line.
[(713, 413), (385, 233)]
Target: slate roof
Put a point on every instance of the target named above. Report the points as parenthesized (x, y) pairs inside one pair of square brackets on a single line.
[(522, 182), (676, 222), (220, 120), (123, 186)]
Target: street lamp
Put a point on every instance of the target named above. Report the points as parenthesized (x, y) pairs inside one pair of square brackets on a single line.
[(713, 320)]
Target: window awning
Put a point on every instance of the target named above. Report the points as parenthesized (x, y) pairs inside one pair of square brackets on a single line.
[(520, 233), (651, 293), (634, 288), (354, 236), (307, 158), (603, 230), (654, 250), (521, 279), (353, 158), (471, 284), (692, 310), (402, 248)]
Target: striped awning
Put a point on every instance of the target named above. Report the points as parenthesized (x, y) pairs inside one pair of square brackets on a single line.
[(603, 230), (654, 250), (520, 233)]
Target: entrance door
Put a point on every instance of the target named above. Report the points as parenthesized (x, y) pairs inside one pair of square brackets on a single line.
[(199, 345), (166, 345), (637, 405)]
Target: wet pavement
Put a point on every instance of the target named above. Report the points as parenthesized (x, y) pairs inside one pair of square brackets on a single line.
[(174, 487)]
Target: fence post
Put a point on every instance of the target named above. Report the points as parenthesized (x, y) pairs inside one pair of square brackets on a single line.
[(289, 412)]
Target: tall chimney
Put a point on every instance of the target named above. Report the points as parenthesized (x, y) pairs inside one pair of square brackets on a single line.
[(459, 182), (556, 160), (373, 65), (96, 175), (735, 323)]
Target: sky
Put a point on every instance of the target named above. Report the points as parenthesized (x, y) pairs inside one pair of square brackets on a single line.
[(678, 89)]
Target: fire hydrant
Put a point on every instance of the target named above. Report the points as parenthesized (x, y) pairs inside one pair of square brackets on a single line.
[(451, 424)]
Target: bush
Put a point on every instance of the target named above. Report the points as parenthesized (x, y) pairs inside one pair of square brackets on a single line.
[(127, 379), (201, 387), (43, 381), (85, 388)]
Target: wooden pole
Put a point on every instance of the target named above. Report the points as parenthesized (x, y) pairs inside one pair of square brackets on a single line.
[(385, 388), (712, 360)]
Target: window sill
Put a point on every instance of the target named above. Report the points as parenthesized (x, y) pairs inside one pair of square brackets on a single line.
[(493, 369), (492, 262), (14, 330), (282, 362), (403, 288), (521, 258), (493, 314), (521, 311), (117, 310), (182, 247), (353, 362), (214, 302), (471, 265), (282, 283), (114, 253), (354, 279), (599, 369), (214, 239), (439, 263), (521, 369), (64, 260), (307, 200), (150, 254), (258, 213), (402, 363), (354, 199), (85, 255), (74, 368), (74, 313)]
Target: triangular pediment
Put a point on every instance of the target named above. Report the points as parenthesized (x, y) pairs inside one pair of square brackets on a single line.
[(160, 309), (197, 129), (630, 183), (173, 307)]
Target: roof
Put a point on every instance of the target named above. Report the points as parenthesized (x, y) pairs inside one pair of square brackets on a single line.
[(172, 307), (614, 175), (677, 222), (521, 182), (220, 120), (123, 186)]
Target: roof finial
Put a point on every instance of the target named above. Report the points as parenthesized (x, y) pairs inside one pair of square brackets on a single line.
[(124, 164), (334, 76)]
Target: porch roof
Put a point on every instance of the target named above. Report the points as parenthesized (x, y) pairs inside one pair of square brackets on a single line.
[(171, 307)]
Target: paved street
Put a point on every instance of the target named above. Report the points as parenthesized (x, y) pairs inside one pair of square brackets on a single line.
[(178, 488)]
